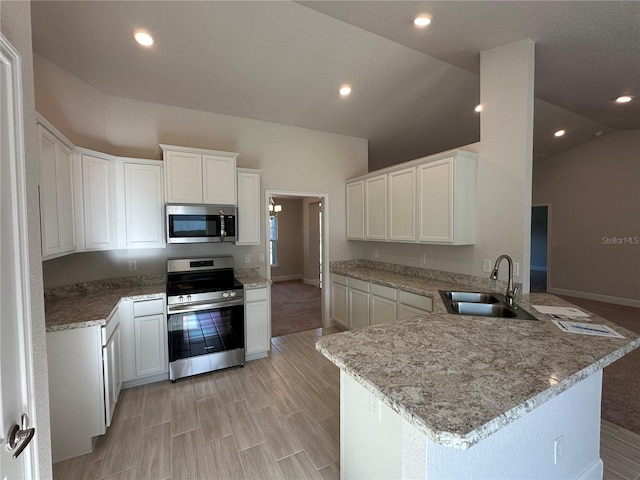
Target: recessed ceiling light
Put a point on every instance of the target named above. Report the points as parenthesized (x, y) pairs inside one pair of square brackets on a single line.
[(559, 133), (345, 90), (478, 108), (624, 99), (422, 20), (143, 37)]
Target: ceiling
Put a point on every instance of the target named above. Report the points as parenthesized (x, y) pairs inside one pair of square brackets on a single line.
[(414, 90)]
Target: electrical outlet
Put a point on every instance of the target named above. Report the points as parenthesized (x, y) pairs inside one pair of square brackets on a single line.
[(486, 266), (558, 449), (261, 257), (423, 258), (247, 258), (132, 265), (516, 269), (375, 253)]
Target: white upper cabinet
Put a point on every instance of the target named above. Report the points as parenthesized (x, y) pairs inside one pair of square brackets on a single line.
[(446, 200), (249, 213), (402, 205), (99, 202), (376, 207), (355, 210), (428, 200), (143, 203), (56, 196), (199, 176)]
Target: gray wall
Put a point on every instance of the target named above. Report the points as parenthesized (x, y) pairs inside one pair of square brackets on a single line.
[(15, 24), (594, 195)]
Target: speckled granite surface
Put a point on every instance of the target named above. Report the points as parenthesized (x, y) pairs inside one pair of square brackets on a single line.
[(93, 306), (459, 378), (250, 278)]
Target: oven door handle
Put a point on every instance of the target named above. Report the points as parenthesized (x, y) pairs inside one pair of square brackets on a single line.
[(193, 307)]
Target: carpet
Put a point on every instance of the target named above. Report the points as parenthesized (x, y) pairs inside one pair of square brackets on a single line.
[(295, 307), (621, 379)]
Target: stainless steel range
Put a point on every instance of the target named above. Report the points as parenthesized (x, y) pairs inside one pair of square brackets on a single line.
[(205, 310)]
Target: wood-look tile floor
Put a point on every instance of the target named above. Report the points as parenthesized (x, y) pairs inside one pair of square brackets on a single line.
[(277, 417)]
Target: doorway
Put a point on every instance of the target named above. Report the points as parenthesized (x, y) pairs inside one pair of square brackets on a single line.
[(539, 248), (296, 249)]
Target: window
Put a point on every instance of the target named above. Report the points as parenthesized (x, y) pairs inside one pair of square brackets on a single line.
[(273, 240)]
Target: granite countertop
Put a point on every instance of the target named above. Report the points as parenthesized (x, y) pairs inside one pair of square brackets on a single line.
[(458, 378), (92, 307), (253, 281)]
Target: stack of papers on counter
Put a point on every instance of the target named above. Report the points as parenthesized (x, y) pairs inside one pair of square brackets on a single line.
[(563, 313), (586, 329)]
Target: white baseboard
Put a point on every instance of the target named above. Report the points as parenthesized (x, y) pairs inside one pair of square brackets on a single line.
[(311, 281), (284, 278), (629, 302)]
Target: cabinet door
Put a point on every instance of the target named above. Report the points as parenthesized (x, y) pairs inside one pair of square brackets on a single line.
[(183, 177), (339, 302), (376, 208), (355, 210), (406, 311), (99, 203), (150, 344), (257, 329), (358, 309), (219, 180), (248, 229), (143, 205), (56, 196), (111, 356), (435, 201), (402, 205), (382, 310)]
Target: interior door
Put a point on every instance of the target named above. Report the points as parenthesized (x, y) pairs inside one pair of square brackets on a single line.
[(15, 431)]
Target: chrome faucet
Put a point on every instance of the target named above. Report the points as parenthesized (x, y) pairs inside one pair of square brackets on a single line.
[(511, 290)]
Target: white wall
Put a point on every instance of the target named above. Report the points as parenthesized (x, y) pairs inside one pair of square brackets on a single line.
[(291, 158), (503, 208), (15, 24), (594, 195)]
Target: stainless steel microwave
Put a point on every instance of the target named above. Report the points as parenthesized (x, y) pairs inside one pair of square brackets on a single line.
[(201, 223)]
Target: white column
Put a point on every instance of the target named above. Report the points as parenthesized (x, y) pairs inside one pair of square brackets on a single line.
[(506, 150)]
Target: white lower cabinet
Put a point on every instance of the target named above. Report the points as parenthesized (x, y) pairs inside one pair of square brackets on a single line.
[(410, 305), (382, 304), (339, 300), (145, 347), (257, 320), (84, 385), (358, 303)]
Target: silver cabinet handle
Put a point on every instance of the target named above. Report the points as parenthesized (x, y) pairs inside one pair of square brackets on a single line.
[(19, 437)]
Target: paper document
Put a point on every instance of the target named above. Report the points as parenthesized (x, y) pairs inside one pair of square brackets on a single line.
[(587, 329), (563, 313)]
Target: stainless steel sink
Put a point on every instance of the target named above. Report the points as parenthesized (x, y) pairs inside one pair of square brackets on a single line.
[(482, 305), (473, 297)]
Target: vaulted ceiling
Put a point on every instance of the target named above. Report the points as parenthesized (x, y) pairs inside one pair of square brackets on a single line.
[(414, 90)]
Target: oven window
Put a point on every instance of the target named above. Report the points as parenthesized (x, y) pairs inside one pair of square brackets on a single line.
[(185, 226), (199, 333)]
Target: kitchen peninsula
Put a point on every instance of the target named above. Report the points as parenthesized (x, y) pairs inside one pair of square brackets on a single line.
[(453, 396)]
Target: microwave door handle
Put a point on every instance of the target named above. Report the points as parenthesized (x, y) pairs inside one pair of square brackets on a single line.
[(223, 233)]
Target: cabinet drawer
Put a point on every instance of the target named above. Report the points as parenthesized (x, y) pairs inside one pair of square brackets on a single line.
[(340, 279), (361, 285), (142, 308), (255, 295), (416, 301), (382, 291)]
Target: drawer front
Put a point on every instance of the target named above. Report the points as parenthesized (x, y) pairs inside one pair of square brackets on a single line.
[(382, 291), (255, 294), (415, 301), (341, 279), (359, 285), (142, 308)]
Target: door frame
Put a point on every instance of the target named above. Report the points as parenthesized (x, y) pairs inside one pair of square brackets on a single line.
[(324, 198), (17, 172)]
